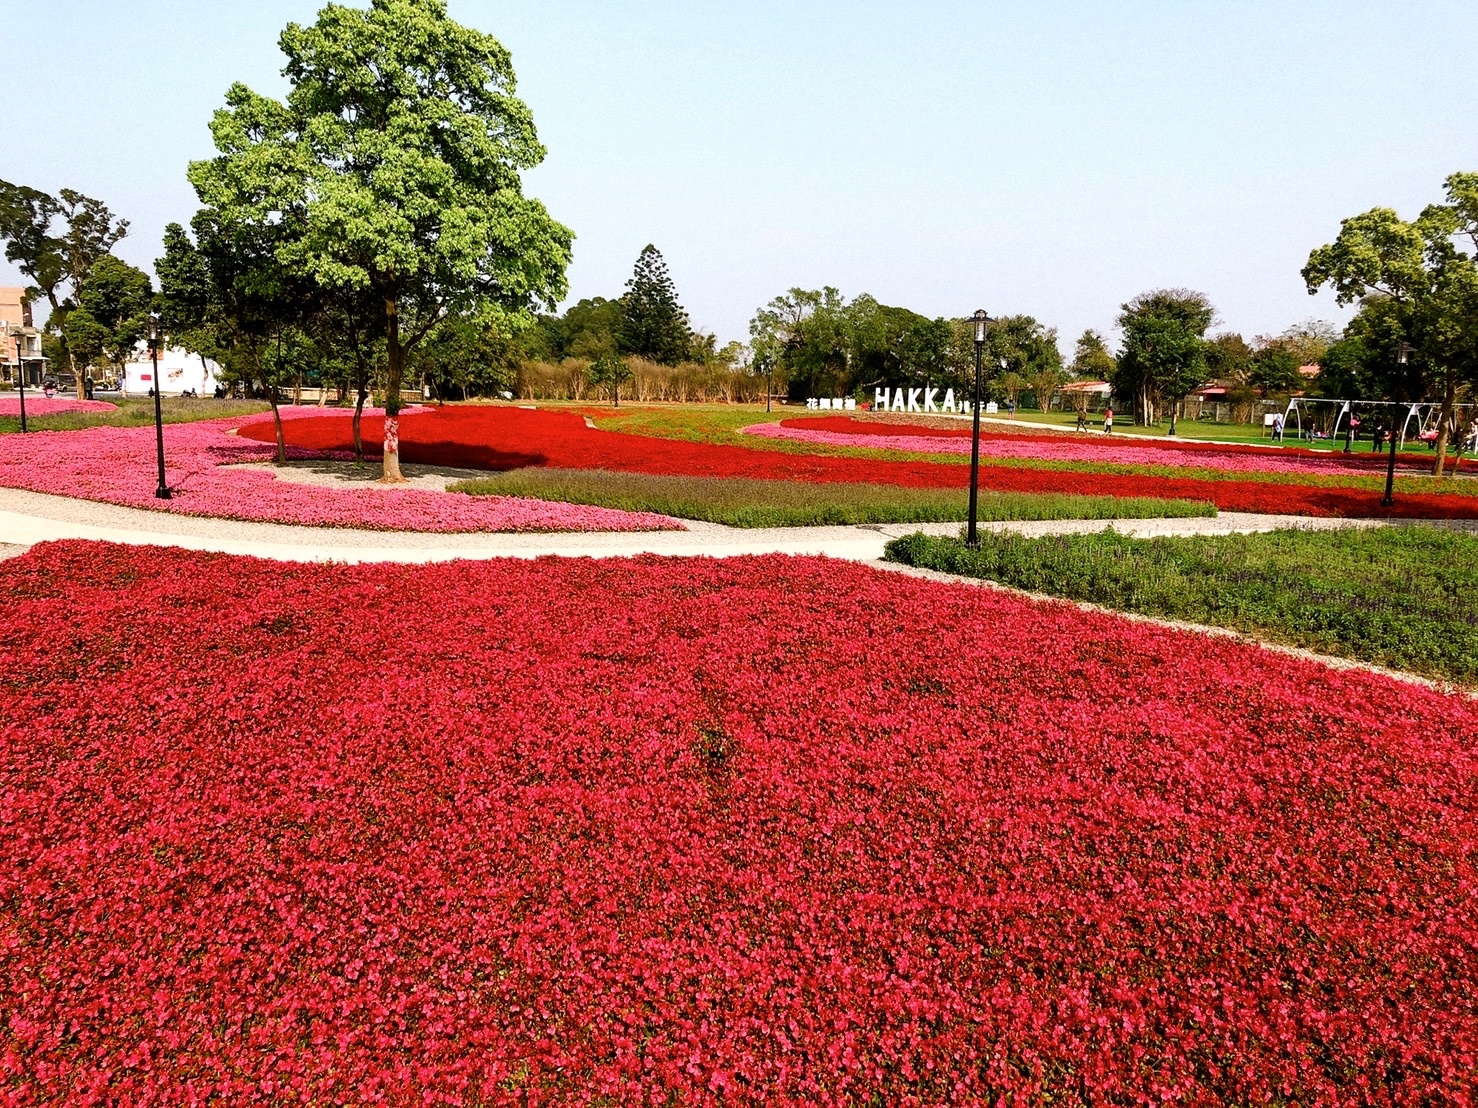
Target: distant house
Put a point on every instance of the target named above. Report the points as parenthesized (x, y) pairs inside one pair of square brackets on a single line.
[(20, 341), (179, 371)]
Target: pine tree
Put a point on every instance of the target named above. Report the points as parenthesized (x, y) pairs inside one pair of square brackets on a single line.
[(653, 323)]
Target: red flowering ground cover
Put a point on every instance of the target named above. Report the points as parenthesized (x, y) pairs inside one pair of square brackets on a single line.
[(764, 830), (497, 438), (1114, 449)]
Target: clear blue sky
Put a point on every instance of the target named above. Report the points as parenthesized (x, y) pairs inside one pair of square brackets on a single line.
[(1046, 157)]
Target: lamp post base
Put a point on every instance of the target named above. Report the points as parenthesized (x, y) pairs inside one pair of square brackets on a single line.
[(162, 493)]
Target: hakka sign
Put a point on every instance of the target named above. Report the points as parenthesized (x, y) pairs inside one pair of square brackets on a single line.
[(920, 400)]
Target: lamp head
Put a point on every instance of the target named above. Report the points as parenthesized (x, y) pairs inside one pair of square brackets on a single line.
[(1404, 352), (981, 319)]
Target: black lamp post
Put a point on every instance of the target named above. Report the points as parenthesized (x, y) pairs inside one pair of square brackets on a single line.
[(1403, 355), (972, 536), (1350, 429), (20, 372), (156, 340)]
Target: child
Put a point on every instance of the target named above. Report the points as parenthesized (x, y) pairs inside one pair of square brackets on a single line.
[(1108, 421)]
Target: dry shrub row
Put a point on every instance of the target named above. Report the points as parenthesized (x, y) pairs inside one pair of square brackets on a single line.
[(687, 382)]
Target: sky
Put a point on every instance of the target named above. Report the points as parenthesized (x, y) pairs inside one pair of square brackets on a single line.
[(1051, 157)]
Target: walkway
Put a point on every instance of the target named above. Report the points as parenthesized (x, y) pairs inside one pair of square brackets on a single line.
[(27, 518)]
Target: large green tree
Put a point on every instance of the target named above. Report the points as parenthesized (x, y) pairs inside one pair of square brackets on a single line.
[(225, 296), (1026, 354), (394, 166), (111, 316), (1092, 359), (1163, 356), (653, 324), (55, 241), (1427, 269)]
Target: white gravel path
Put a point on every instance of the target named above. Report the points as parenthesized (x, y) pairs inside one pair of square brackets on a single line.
[(27, 518)]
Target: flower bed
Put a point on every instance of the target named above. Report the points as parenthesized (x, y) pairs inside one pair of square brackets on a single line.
[(116, 465), (782, 831), (39, 405), (1097, 448), (498, 438)]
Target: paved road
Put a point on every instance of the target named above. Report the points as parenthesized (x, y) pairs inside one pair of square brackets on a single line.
[(27, 518)]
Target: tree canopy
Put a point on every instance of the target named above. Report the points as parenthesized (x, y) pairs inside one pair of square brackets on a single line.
[(394, 167), (652, 323), (1164, 352), (55, 241), (1426, 272), (112, 316)]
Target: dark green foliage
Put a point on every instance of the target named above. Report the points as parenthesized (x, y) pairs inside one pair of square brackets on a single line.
[(1274, 370), (653, 324), (1404, 597), (468, 357), (609, 372), (1164, 353), (741, 502), (112, 314)]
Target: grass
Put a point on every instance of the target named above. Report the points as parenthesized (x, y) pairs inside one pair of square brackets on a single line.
[(720, 423), (740, 502), (1401, 597), (137, 413)]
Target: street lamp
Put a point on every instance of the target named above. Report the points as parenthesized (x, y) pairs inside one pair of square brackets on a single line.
[(20, 372), (156, 340), (1403, 356), (972, 537)]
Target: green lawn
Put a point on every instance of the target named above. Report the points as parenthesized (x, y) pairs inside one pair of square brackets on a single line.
[(1405, 597), (740, 502), (137, 413)]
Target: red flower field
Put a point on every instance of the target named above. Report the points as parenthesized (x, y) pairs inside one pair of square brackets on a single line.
[(498, 438), (765, 830)]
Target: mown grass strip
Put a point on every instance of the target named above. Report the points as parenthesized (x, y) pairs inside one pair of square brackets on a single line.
[(740, 502), (136, 413), (722, 426), (1404, 597)]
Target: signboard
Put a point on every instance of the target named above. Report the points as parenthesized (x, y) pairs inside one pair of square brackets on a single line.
[(925, 400)]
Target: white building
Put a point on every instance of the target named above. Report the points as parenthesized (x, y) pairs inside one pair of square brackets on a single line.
[(179, 371)]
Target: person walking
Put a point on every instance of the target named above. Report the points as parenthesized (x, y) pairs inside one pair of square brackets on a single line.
[(1108, 421), (1277, 428), (1082, 421)]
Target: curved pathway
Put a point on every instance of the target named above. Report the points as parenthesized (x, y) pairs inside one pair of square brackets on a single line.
[(27, 518)]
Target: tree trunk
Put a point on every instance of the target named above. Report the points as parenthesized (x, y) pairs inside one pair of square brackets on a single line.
[(358, 411), (395, 371), (1444, 423), (276, 423)]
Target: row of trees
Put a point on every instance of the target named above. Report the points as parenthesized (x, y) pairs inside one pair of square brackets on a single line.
[(1416, 284), (62, 244)]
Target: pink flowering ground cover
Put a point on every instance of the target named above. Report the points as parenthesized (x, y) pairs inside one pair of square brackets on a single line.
[(1100, 448), (116, 465), (751, 831), (38, 405)]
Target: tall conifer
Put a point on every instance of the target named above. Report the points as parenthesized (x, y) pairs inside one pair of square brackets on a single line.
[(653, 323)]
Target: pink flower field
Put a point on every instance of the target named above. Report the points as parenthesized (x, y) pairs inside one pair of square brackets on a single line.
[(1098, 449), (115, 465), (38, 405)]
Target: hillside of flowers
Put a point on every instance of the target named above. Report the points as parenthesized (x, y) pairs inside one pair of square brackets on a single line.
[(765, 830), (40, 405), (501, 438), (116, 465), (1099, 448)]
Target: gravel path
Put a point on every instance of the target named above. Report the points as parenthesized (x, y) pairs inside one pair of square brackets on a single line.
[(27, 518)]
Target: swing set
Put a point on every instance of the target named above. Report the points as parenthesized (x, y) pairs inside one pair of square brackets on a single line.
[(1425, 415)]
